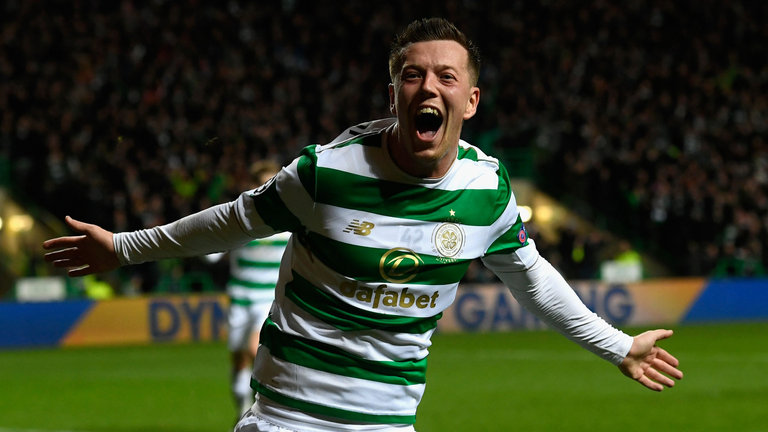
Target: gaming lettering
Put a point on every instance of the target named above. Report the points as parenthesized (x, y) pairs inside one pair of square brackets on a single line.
[(477, 310), (614, 303), (381, 296), (496, 309)]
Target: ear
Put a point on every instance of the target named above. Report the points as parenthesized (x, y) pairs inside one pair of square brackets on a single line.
[(392, 108), (474, 100)]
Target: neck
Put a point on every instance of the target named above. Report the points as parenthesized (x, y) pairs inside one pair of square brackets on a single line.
[(402, 155)]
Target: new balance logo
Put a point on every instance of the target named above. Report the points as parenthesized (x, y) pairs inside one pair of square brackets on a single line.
[(360, 228)]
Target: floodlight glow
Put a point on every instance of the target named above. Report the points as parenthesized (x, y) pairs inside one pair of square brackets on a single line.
[(525, 213), (20, 223), (544, 213)]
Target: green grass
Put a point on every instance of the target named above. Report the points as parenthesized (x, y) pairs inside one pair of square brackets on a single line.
[(528, 381), (179, 388), (539, 381)]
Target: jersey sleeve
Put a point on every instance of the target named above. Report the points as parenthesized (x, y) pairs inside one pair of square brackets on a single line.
[(215, 229), (281, 204), (543, 291), (285, 202), (540, 288), (508, 236)]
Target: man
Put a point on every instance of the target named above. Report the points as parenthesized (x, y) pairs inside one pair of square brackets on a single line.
[(385, 220), (253, 272)]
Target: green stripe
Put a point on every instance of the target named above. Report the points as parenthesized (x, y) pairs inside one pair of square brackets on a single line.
[(343, 316), (241, 301), (265, 242), (323, 357), (411, 201), (306, 166), (249, 284), (402, 200), (273, 211), (330, 411), (467, 153), (509, 241), (355, 262), (242, 262)]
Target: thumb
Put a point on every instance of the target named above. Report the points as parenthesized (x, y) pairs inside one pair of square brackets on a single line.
[(661, 334), (75, 224)]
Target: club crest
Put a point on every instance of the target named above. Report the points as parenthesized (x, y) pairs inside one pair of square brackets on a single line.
[(448, 239)]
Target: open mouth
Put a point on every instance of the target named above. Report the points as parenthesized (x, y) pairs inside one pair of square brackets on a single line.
[(428, 121)]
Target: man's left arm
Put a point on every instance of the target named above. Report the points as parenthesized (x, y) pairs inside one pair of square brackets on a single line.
[(540, 288)]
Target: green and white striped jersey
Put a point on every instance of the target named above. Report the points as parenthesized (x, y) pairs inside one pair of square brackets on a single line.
[(376, 256), (254, 269)]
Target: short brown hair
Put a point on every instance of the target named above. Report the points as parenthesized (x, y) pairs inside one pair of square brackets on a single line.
[(261, 168), (430, 29)]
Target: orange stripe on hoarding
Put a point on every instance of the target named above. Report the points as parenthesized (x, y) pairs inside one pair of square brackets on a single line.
[(182, 318), (112, 322), (664, 301)]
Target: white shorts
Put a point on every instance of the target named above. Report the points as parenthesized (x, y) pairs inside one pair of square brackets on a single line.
[(251, 422), (243, 320), (265, 416)]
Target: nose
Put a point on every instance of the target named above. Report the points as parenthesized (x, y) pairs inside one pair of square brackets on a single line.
[(429, 84)]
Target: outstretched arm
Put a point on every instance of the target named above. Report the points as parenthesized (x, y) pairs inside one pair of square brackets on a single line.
[(650, 365), (215, 229), (90, 252), (543, 291)]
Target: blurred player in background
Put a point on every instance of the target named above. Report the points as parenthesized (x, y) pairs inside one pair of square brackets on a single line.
[(387, 218), (254, 269)]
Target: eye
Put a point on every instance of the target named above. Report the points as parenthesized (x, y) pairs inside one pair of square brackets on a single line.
[(448, 77), (411, 75)]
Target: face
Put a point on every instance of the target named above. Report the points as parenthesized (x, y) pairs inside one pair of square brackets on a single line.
[(432, 96), (265, 176)]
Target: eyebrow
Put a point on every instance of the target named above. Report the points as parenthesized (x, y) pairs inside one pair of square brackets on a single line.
[(439, 67)]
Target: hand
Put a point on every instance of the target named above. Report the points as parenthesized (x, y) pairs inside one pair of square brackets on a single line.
[(650, 365), (91, 252)]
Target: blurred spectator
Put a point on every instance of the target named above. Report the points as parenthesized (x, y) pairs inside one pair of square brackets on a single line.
[(652, 114)]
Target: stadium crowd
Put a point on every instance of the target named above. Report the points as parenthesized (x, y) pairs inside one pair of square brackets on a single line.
[(648, 117)]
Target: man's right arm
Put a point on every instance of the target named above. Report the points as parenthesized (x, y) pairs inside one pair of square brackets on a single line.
[(216, 229)]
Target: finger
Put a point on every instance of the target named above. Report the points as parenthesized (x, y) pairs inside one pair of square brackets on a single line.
[(653, 385), (69, 262), (661, 334), (75, 224), (659, 377), (667, 368), (81, 227), (662, 354), (73, 253), (60, 254), (63, 263), (62, 242), (81, 271)]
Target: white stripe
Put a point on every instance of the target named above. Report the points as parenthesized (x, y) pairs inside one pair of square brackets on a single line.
[(295, 197), (252, 294), (330, 221), (331, 283), (474, 175), (258, 275), (376, 345), (260, 253), (375, 163), (412, 234), (504, 222), (356, 159), (337, 391)]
